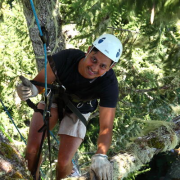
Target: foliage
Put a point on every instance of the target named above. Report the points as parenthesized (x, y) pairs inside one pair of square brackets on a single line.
[(148, 72), (16, 59), (133, 176)]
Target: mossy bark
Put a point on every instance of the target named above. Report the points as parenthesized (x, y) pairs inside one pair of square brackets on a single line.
[(12, 164), (49, 17), (164, 138)]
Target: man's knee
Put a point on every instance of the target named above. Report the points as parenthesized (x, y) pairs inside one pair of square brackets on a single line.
[(32, 151), (64, 162)]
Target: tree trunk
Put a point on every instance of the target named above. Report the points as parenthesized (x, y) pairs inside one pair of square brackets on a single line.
[(49, 17), (12, 164)]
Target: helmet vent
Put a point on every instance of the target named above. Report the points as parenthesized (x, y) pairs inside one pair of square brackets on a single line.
[(118, 53), (101, 40)]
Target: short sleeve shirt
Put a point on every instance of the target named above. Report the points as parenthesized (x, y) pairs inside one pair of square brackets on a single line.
[(80, 89)]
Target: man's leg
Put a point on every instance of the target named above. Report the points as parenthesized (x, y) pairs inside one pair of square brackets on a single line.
[(68, 147), (34, 137), (72, 131)]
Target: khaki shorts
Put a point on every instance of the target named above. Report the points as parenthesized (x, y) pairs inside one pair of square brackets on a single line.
[(71, 125)]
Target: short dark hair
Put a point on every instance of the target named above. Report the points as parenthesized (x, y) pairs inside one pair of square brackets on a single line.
[(95, 49)]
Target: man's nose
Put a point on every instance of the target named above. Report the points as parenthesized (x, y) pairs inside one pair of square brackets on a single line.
[(95, 67)]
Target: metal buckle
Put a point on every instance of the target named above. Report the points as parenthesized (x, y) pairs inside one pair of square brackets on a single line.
[(49, 92), (90, 103), (63, 87), (79, 105)]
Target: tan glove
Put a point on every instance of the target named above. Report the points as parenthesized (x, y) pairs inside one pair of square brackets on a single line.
[(101, 168), (26, 89)]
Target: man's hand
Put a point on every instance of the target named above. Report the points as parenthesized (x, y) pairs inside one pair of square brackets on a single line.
[(26, 89), (101, 168)]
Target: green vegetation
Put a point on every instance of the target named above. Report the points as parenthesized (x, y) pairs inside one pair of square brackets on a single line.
[(16, 59), (148, 72)]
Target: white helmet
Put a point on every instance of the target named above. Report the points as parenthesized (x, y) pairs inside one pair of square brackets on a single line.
[(110, 46)]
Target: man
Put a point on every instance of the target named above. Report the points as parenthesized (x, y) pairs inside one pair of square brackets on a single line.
[(86, 77)]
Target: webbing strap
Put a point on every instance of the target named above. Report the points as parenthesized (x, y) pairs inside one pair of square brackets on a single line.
[(50, 86), (53, 67), (65, 97), (44, 129), (33, 106), (71, 106)]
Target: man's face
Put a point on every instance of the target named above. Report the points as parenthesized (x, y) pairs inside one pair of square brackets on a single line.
[(94, 65)]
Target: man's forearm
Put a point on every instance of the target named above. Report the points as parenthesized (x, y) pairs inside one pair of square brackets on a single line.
[(104, 141)]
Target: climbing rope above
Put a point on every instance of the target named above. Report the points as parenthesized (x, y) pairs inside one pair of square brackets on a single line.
[(44, 44)]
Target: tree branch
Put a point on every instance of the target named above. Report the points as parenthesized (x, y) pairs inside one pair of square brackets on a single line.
[(163, 138)]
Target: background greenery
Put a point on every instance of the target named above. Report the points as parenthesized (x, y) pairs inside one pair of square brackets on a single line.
[(148, 72)]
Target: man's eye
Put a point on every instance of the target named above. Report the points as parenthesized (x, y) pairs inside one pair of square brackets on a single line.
[(103, 66), (94, 59)]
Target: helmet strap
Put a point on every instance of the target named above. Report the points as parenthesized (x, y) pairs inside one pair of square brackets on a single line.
[(112, 64), (89, 52)]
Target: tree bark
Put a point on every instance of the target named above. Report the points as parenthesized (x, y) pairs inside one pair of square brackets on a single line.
[(12, 164), (49, 17)]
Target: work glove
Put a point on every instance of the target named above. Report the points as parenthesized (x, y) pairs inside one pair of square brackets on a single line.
[(101, 168), (26, 89)]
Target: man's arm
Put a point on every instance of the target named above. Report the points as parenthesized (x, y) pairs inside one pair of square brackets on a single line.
[(41, 77), (101, 168), (27, 90), (106, 119)]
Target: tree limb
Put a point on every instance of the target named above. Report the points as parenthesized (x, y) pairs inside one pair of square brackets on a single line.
[(164, 138)]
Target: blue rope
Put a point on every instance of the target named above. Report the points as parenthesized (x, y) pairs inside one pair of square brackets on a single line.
[(45, 51), (10, 117), (7, 112), (45, 54), (37, 21), (45, 64), (57, 141)]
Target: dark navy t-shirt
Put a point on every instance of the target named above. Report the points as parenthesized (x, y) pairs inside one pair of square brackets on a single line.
[(80, 89)]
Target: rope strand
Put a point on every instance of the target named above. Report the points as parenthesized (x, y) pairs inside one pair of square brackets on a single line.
[(10, 117), (44, 44)]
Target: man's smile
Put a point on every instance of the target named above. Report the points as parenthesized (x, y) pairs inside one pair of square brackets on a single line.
[(91, 72)]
